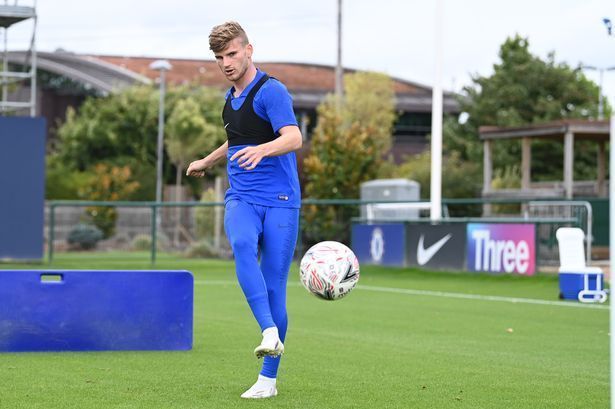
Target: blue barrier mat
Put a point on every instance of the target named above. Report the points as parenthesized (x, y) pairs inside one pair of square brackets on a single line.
[(95, 310)]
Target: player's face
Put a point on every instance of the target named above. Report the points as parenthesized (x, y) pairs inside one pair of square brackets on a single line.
[(235, 59)]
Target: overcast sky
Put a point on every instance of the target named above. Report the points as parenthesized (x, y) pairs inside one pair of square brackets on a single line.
[(391, 36)]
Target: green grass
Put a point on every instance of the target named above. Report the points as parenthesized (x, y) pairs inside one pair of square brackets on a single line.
[(370, 350)]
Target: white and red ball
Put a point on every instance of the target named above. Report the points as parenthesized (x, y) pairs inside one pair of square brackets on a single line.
[(329, 270)]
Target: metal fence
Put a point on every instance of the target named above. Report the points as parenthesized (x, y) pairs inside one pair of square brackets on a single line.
[(152, 226), (195, 229), (578, 210)]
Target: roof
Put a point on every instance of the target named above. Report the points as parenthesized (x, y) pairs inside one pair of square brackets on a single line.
[(10, 15), (307, 83), (92, 72), (296, 76), (586, 129)]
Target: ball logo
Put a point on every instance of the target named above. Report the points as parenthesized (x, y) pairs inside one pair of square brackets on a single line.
[(376, 247), (501, 248)]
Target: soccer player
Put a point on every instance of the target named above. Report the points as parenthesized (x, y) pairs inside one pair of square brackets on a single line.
[(263, 201)]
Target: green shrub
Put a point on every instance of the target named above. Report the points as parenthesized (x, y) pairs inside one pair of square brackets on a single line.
[(107, 183), (84, 236), (143, 242), (62, 182), (508, 177), (204, 216), (201, 249)]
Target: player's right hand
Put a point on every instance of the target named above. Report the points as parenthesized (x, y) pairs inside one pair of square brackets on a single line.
[(197, 168)]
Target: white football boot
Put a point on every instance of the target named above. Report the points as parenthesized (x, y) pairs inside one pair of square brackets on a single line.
[(270, 345), (263, 388)]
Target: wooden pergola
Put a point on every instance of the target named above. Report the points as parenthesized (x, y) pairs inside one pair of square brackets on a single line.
[(567, 131)]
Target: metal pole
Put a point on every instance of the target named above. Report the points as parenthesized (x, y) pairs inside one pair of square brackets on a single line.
[(218, 212), (436, 124), (600, 102), (160, 143), (5, 68), (612, 253), (33, 67), (154, 233), (339, 76), (590, 233), (601, 71), (52, 222), (300, 236)]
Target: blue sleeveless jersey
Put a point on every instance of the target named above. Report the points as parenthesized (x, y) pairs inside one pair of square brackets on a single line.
[(253, 118)]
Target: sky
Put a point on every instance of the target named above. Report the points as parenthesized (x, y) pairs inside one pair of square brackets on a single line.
[(396, 37)]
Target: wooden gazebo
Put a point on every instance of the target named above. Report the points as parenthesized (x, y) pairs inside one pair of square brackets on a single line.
[(566, 131)]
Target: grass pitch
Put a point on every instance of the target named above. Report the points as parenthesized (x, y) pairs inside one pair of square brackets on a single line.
[(374, 349)]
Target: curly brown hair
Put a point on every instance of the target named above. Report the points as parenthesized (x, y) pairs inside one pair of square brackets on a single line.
[(223, 34)]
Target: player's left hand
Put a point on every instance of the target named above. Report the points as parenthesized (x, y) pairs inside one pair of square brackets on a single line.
[(249, 157)]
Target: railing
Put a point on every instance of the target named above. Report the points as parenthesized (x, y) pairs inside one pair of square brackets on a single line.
[(154, 206), (581, 210), (454, 211)]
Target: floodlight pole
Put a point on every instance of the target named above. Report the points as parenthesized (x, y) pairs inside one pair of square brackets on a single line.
[(160, 140), (5, 68), (601, 71), (612, 254), (600, 98), (339, 73), (609, 25), (33, 62), (436, 123), (162, 66)]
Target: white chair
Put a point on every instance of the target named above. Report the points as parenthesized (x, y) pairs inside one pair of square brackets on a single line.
[(572, 261)]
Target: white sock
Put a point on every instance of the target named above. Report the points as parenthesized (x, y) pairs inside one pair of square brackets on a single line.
[(266, 381), (271, 333)]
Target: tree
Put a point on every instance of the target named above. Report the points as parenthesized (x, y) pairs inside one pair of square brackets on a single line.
[(107, 184), (189, 136), (119, 125), (121, 130), (460, 179), (348, 148), (524, 89)]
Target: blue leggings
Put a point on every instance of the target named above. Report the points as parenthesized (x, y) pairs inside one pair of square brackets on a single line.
[(273, 231)]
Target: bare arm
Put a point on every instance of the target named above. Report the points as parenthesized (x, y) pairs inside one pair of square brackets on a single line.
[(290, 139), (198, 167)]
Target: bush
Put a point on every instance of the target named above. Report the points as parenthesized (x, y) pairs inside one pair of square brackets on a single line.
[(204, 216), (459, 180), (103, 218), (506, 178), (143, 242), (84, 236), (201, 249), (61, 182), (107, 183)]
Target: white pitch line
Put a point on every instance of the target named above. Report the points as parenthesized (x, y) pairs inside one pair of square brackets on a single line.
[(482, 297), (428, 293)]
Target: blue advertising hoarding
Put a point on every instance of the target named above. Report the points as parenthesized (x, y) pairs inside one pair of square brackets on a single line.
[(381, 244), (22, 187)]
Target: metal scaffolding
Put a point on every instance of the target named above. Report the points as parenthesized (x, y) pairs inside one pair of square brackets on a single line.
[(12, 102)]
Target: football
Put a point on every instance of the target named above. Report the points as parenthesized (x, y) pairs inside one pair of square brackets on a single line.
[(329, 270)]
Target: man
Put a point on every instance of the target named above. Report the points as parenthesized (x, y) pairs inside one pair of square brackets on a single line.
[(263, 201)]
